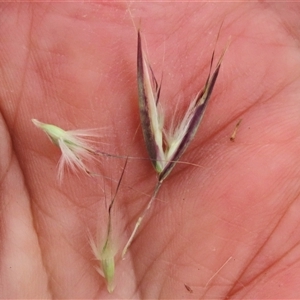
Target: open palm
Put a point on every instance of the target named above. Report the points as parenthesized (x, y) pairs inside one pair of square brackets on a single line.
[(226, 226)]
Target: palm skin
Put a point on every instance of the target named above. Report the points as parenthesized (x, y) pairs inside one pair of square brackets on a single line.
[(227, 228)]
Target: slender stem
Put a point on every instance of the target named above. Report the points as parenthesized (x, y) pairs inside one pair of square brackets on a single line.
[(110, 208), (140, 219)]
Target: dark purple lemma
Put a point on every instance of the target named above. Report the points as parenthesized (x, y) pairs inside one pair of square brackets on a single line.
[(144, 106), (198, 113)]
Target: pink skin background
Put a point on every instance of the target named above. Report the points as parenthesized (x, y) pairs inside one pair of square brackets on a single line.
[(228, 227)]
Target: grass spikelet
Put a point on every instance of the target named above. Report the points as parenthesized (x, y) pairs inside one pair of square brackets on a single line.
[(75, 146), (165, 147), (106, 252)]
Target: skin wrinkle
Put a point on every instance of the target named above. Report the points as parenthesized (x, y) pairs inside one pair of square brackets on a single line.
[(76, 250), (290, 30), (2, 209), (181, 251), (287, 84), (207, 287), (32, 214), (265, 271), (281, 258), (280, 88), (152, 265), (227, 239), (140, 192), (270, 267), (23, 80), (217, 132), (70, 199), (67, 202), (179, 23), (44, 69), (234, 290), (216, 274), (284, 214), (44, 264), (14, 120), (40, 12), (40, 210), (50, 278), (10, 158), (140, 281), (254, 257), (146, 194), (44, 78)]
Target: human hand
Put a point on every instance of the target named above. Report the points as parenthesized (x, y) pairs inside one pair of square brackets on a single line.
[(227, 228)]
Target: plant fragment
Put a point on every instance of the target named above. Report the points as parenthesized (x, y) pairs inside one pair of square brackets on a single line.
[(233, 135), (165, 147), (188, 288), (105, 254), (75, 145)]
